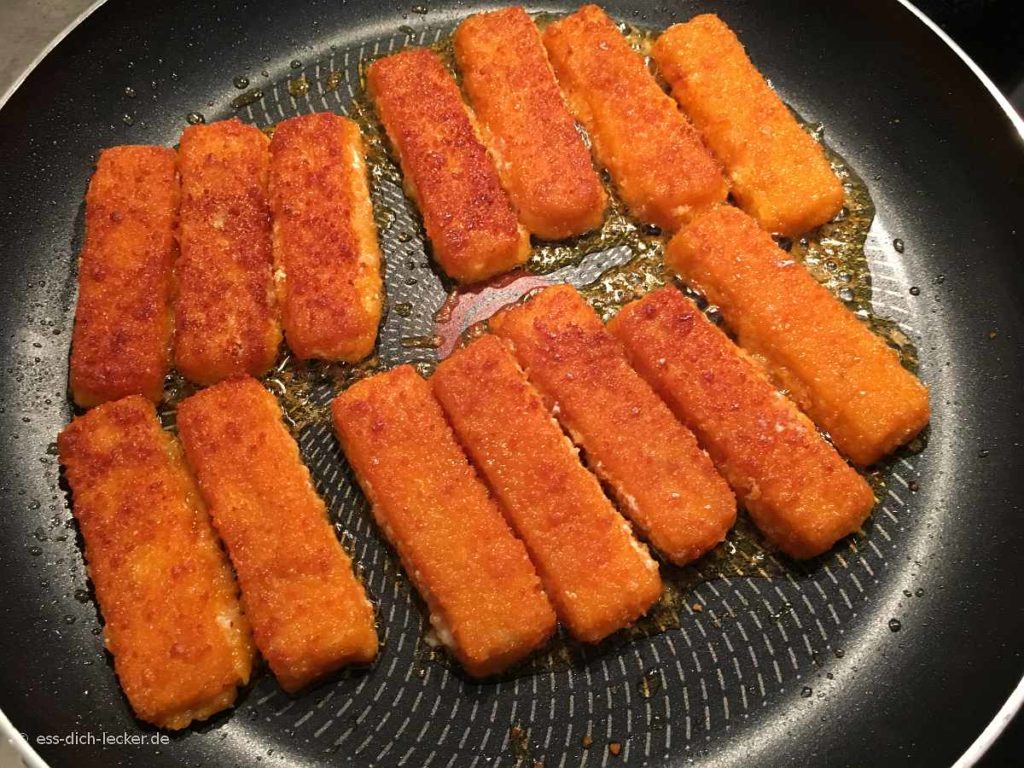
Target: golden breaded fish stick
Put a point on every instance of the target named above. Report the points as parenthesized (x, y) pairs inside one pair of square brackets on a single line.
[(121, 344), (540, 156), (180, 643), (664, 483), (485, 600), (798, 490), (468, 216), (840, 373), (656, 159), (308, 611), (325, 241), (225, 313), (779, 174), (599, 578)]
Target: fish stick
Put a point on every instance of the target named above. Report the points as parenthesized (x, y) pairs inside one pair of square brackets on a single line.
[(847, 379), (325, 241), (485, 601), (798, 490), (663, 481), (121, 344), (655, 157), (540, 155), (778, 173), (308, 611), (472, 226), (180, 643), (598, 577), (225, 313)]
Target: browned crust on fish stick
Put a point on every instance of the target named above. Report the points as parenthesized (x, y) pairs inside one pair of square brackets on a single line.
[(659, 165), (847, 379), (796, 487), (308, 611), (664, 483), (485, 600), (325, 240), (778, 173), (598, 576), (121, 344), (472, 226), (180, 643), (225, 314), (539, 154)]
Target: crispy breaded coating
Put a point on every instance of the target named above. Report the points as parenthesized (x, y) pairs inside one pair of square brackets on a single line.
[(309, 612), (798, 490), (225, 313), (485, 600), (847, 379), (325, 240), (180, 643), (664, 483), (598, 577), (540, 155), (121, 344), (660, 167), (472, 226), (778, 173)]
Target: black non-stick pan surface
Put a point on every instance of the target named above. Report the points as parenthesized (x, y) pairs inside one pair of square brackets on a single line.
[(896, 649)]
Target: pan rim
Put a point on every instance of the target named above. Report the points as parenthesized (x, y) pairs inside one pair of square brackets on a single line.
[(1014, 702)]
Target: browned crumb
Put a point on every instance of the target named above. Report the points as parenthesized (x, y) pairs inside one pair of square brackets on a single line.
[(614, 747), (697, 608), (587, 741)]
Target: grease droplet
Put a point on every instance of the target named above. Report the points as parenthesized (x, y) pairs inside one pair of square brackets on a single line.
[(915, 291), (195, 118), (241, 82), (130, 92), (895, 625), (898, 245), (806, 691)]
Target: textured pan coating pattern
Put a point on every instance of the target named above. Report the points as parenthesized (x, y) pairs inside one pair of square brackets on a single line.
[(309, 613), (524, 121), (472, 227), (180, 643), (123, 325), (485, 599), (664, 483), (225, 313), (325, 240), (778, 173), (598, 577), (799, 491), (840, 373), (656, 159)]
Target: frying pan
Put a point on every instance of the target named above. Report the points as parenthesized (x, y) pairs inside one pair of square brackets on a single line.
[(898, 648)]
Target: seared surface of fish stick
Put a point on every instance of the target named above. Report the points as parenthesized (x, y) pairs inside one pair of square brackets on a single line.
[(121, 344), (180, 643), (325, 241), (485, 600), (664, 483), (656, 159), (779, 174), (847, 379), (308, 611), (225, 314), (472, 226), (540, 155), (598, 577), (798, 490)]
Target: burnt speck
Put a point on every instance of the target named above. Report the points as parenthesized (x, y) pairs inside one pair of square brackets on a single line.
[(895, 625), (82, 595), (898, 245), (914, 486)]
